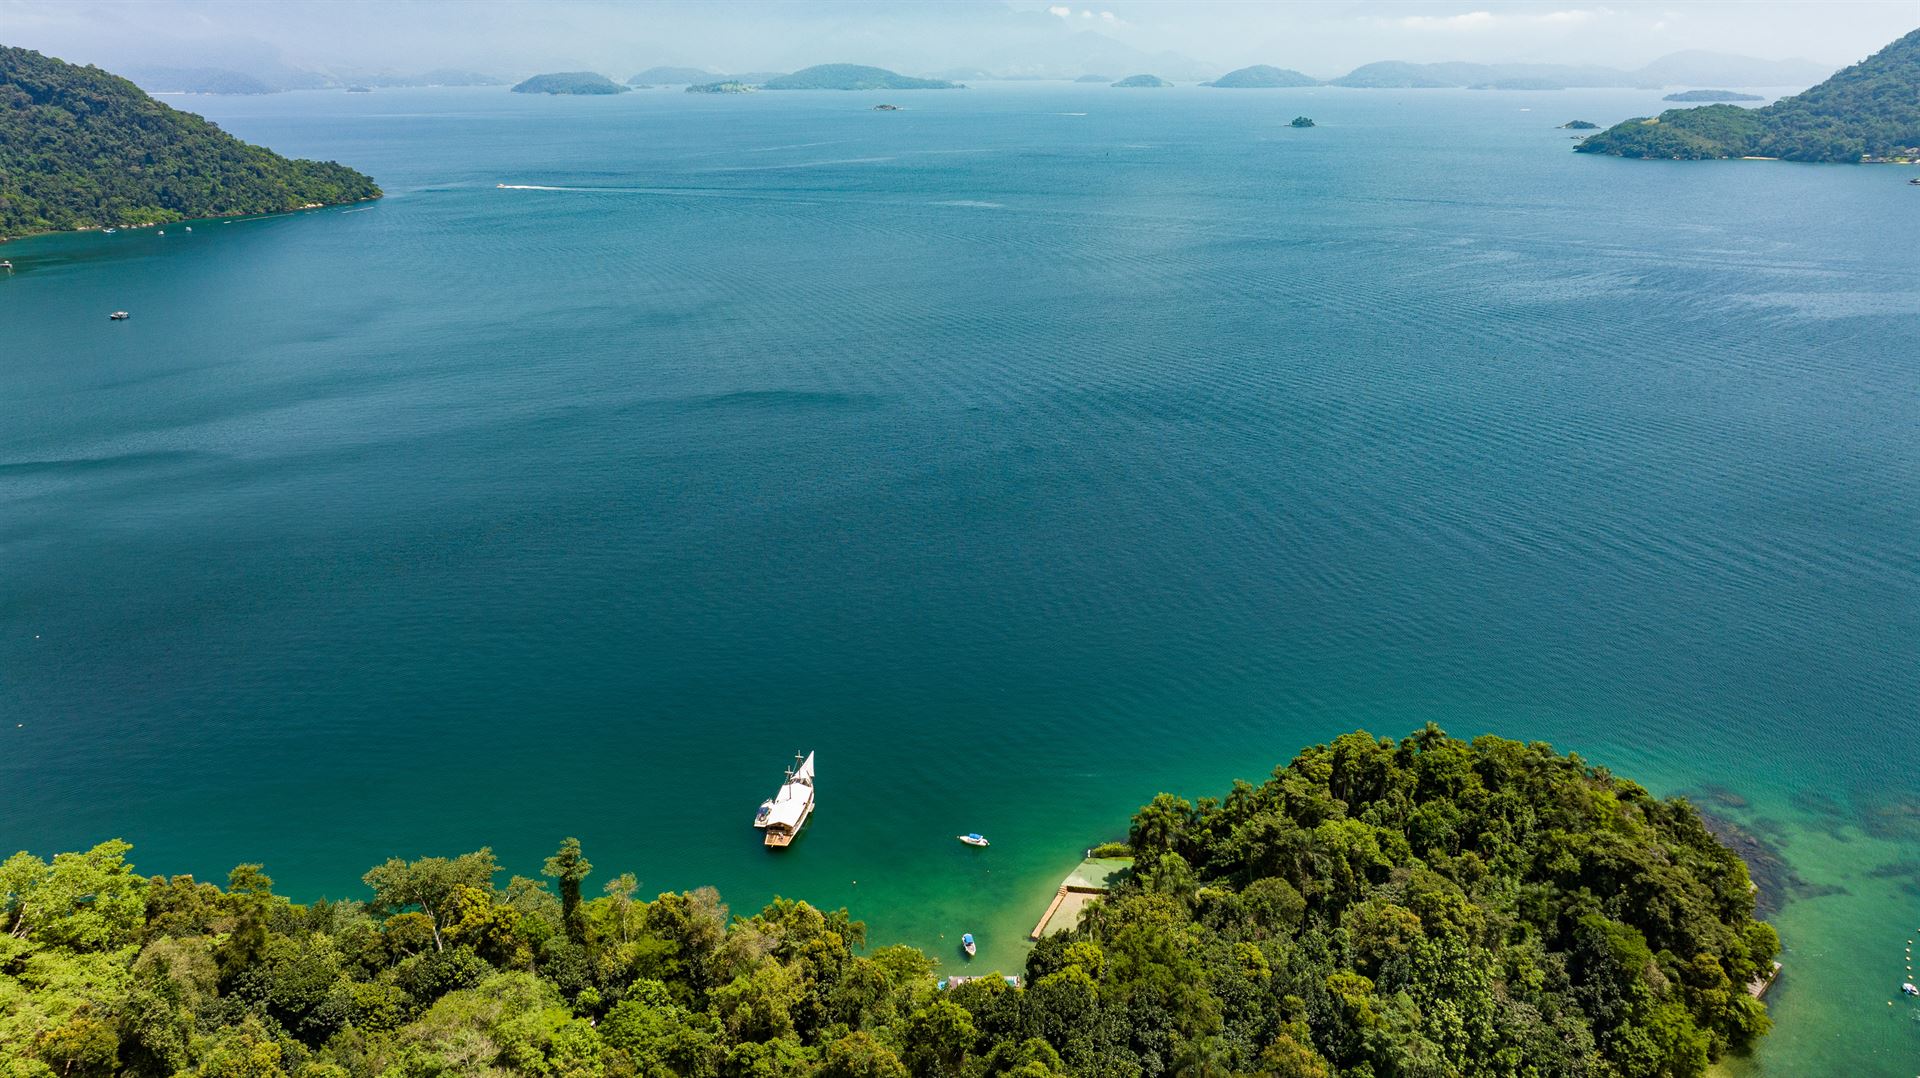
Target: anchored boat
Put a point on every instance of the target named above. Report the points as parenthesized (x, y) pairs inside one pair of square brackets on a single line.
[(967, 944), (785, 813), (974, 839)]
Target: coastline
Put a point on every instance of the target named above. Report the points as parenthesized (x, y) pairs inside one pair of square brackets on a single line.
[(225, 218)]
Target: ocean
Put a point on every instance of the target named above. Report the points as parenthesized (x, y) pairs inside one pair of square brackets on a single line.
[(1022, 453)]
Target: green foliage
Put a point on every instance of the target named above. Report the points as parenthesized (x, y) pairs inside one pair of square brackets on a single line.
[(570, 868), (80, 148), (1869, 110), (1427, 907)]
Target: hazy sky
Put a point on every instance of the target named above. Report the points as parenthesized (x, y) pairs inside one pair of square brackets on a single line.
[(1321, 37)]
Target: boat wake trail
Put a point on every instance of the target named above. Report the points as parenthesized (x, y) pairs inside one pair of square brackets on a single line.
[(536, 187)]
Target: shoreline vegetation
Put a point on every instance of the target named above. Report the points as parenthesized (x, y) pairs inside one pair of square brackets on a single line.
[(1868, 113), (82, 149), (1426, 906)]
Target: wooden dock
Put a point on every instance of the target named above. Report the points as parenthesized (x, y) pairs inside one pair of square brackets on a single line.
[(1091, 878), (1758, 988), (1052, 908)]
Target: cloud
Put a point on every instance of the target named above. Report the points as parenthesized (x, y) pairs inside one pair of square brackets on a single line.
[(1471, 20), (1109, 16), (1486, 20), (1060, 10)]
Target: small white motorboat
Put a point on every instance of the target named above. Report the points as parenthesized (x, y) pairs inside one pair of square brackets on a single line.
[(119, 316), (967, 944), (974, 839)]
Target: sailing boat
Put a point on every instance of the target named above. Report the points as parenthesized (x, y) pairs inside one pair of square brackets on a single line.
[(785, 813)]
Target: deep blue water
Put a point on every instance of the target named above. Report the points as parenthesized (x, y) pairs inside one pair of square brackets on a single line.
[(1024, 452)]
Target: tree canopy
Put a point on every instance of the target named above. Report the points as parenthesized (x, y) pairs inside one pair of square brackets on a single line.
[(80, 148), (1376, 909), (1870, 110)]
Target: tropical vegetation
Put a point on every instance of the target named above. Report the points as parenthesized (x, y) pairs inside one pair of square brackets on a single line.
[(1870, 111), (1428, 907), (81, 148)]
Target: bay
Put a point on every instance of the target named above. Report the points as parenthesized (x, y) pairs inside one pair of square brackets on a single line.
[(1023, 453)]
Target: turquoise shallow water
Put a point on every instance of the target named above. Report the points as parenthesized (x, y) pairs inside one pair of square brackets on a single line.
[(1023, 453)]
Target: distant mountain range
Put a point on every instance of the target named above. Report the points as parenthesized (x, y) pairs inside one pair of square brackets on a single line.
[(672, 76), (1077, 55), (1694, 68), (1867, 112), (853, 77), (219, 80)]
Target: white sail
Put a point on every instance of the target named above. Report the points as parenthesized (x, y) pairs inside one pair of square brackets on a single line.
[(805, 774)]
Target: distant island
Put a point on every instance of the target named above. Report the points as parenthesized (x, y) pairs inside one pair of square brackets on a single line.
[(359, 89), (854, 77), (671, 76), (1142, 82), (570, 82), (1094, 78), (1302, 121), (1262, 77), (1867, 112), (1712, 95), (1428, 906), (721, 88), (1580, 125), (81, 148)]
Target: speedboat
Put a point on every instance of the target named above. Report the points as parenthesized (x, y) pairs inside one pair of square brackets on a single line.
[(967, 944), (119, 316), (974, 839), (108, 231)]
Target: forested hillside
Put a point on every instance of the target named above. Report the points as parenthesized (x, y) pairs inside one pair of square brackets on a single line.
[(80, 148), (1868, 111), (1431, 907)]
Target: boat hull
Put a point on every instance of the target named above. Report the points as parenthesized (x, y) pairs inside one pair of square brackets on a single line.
[(779, 835)]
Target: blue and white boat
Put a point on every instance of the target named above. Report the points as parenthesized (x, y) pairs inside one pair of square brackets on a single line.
[(974, 838), (967, 944)]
